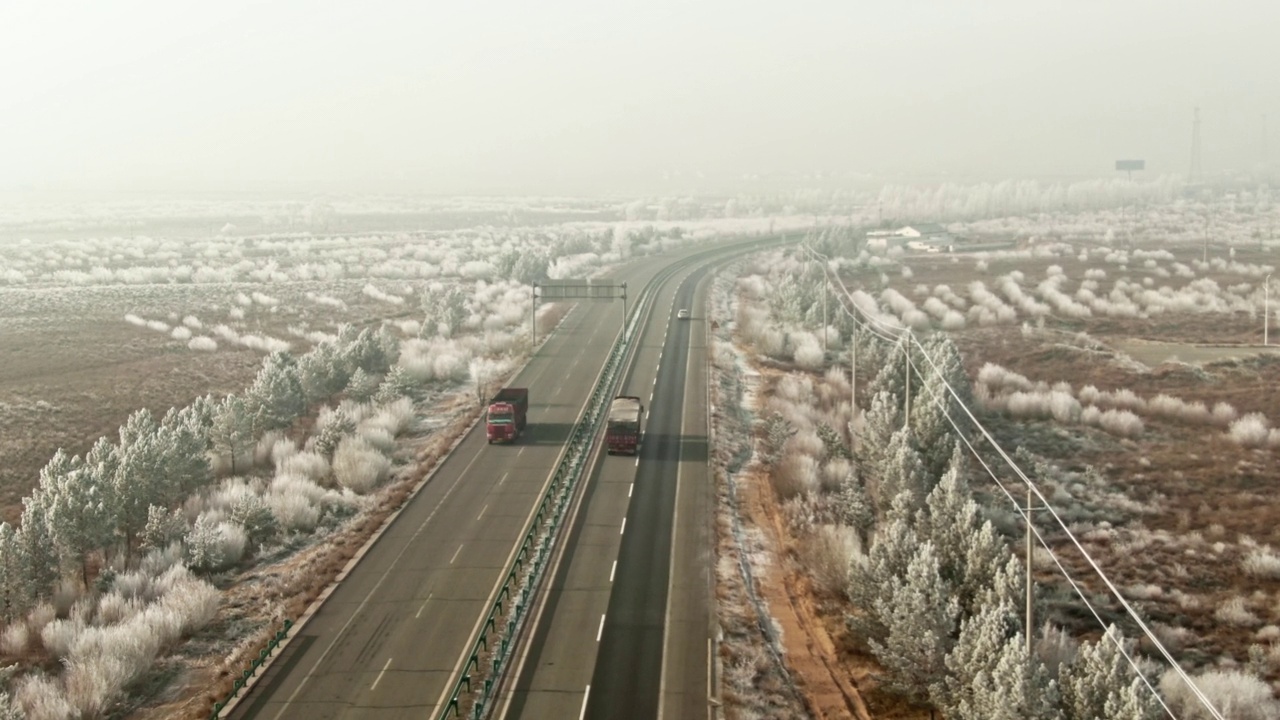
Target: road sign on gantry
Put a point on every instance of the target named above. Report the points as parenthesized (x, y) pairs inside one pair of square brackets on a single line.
[(580, 289)]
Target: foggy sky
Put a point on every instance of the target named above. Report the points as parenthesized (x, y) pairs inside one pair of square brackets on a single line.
[(575, 96)]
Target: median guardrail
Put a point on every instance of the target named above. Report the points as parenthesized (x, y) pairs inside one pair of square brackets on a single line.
[(263, 655)]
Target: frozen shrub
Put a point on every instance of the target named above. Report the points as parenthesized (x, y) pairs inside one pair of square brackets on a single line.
[(214, 544), (1223, 413), (358, 466), (1262, 562), (1120, 422), (114, 608), (1250, 430), (202, 343), (65, 594), (263, 450), (828, 554), (305, 465), (1234, 694), (377, 438), (293, 512), (59, 635), (1233, 612), (41, 697), (394, 416), (1178, 409), (15, 639), (796, 474)]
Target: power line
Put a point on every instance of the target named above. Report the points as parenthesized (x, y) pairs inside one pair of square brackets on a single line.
[(1062, 524)]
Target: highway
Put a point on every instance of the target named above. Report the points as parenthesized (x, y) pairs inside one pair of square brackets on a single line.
[(625, 624), (390, 640)]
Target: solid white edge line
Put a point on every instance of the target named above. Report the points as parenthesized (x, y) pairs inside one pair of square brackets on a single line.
[(456, 553), (600, 630), (583, 712), (378, 679)]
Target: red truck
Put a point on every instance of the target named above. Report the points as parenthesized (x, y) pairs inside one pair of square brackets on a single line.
[(622, 433), (505, 419)]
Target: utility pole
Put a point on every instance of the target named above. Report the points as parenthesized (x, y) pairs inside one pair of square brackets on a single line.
[(1266, 308), (906, 409), (1029, 626)]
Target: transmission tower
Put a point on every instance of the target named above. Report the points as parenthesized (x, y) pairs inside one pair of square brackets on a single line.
[(1196, 169)]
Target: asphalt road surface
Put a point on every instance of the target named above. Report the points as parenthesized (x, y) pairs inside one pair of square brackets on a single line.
[(625, 628), (390, 640)]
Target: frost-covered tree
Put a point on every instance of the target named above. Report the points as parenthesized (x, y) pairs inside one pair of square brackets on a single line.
[(1101, 684), (374, 351), (777, 430), (920, 614), (892, 374), (1015, 688), (832, 441), (140, 478), (883, 419), (38, 550), (395, 385), (970, 551), (163, 528), (81, 520), (853, 505), (871, 575), (362, 386), (331, 427), (323, 371), (254, 515), (276, 394), (183, 439), (14, 589), (902, 473), (972, 662), (232, 432)]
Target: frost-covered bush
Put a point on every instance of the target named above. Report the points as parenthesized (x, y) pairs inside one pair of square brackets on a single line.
[(1234, 694), (214, 544), (358, 466), (1262, 562), (1251, 430), (1234, 612)]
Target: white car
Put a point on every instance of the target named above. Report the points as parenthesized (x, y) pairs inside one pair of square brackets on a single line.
[(682, 314)]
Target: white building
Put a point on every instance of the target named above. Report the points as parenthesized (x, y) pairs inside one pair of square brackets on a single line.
[(922, 237)]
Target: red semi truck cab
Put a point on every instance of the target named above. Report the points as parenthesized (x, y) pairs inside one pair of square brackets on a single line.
[(506, 417), (622, 433)]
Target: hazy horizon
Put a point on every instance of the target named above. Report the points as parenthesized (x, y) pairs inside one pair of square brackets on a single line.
[(576, 98)]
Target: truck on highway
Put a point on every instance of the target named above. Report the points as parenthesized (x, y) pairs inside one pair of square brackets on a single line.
[(622, 432), (505, 419)]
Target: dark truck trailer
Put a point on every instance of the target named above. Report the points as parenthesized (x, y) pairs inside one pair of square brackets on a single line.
[(506, 417), (622, 433)]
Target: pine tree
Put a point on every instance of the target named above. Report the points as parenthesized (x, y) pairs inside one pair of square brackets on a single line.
[(1016, 688), (183, 442), (1099, 684), (330, 433), (323, 372), (38, 551), (834, 444), (253, 514), (14, 590), (901, 473), (163, 528), (883, 419), (394, 386), (232, 431), (139, 480), (970, 553), (853, 506), (871, 576), (79, 520), (277, 391), (920, 614), (973, 660), (777, 430), (362, 386), (204, 544)]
